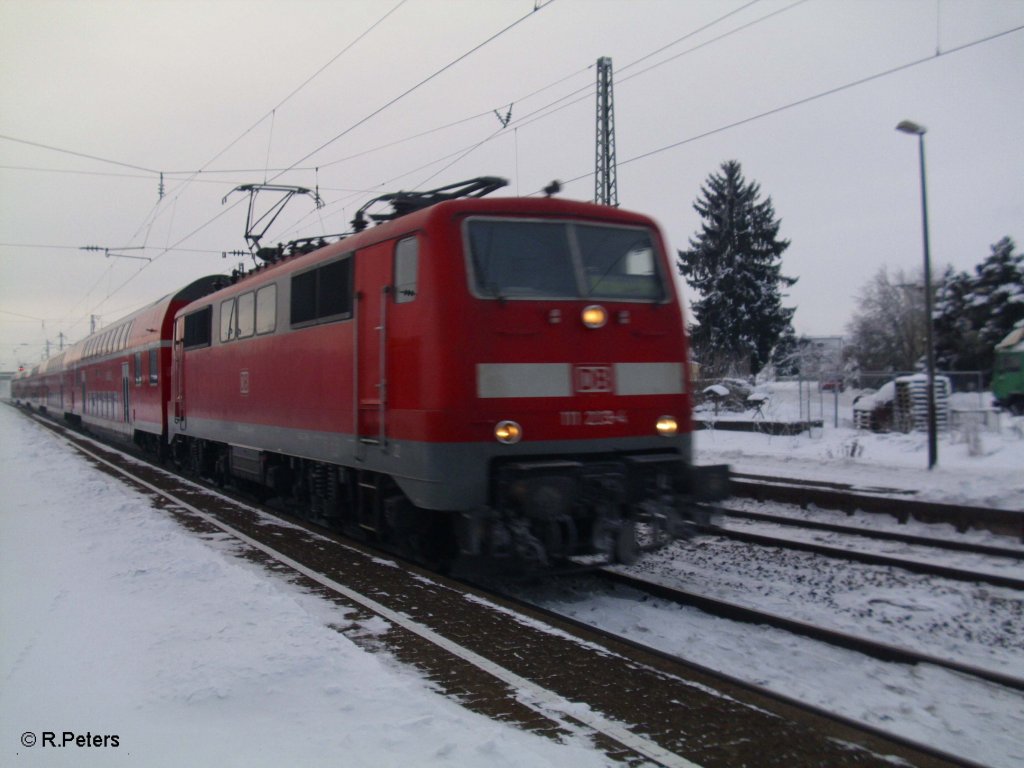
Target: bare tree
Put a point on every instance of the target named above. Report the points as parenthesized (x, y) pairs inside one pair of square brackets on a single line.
[(887, 330)]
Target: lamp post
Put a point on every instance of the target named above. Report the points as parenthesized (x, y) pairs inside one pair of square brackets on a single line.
[(914, 129)]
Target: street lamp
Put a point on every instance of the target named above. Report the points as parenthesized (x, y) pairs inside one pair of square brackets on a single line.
[(914, 129)]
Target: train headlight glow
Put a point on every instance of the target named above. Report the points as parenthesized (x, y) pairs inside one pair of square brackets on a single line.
[(595, 316), (508, 432), (667, 426)]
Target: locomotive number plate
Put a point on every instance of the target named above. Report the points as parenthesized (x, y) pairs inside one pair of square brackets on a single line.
[(592, 418), (593, 378)]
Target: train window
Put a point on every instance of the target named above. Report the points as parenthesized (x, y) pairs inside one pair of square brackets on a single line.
[(227, 320), (618, 263), (245, 308), (198, 328), (266, 309), (1008, 363), (322, 294), (407, 255), (138, 369), (563, 260), (154, 366), (522, 259), (304, 298), (334, 290)]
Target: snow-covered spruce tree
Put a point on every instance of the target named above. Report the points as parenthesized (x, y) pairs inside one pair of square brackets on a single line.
[(734, 264), (973, 313), (999, 292), (956, 339)]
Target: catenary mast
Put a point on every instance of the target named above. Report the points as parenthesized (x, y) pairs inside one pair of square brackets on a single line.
[(605, 184)]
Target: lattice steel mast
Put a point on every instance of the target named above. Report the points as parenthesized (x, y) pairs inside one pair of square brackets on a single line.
[(606, 190)]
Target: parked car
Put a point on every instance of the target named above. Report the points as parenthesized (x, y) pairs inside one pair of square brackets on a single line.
[(832, 383)]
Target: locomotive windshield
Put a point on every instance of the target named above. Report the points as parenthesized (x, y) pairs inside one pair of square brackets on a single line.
[(563, 260)]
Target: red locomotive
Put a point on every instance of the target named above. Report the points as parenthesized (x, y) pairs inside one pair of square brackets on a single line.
[(493, 379)]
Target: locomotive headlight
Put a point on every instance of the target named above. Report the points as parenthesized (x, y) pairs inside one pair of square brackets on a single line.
[(595, 316), (667, 426), (508, 432)]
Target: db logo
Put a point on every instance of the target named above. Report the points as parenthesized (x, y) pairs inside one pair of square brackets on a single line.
[(593, 378)]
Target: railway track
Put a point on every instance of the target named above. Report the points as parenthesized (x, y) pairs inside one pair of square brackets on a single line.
[(895, 503), (954, 545), (736, 612), (925, 562), (527, 666)]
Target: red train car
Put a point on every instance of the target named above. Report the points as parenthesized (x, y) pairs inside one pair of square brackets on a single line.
[(116, 380), (501, 377)]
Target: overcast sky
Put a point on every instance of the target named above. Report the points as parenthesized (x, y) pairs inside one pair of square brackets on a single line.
[(145, 86)]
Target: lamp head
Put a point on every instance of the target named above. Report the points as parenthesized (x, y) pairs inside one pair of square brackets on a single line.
[(908, 126)]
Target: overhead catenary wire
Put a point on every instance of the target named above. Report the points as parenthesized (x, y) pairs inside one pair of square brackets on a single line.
[(585, 92), (362, 121), (176, 192), (805, 100), (172, 198), (419, 85), (533, 117)]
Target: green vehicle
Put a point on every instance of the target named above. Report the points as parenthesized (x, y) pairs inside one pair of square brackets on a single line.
[(1008, 377)]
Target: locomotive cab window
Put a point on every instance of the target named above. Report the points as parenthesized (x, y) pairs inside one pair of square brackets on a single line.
[(407, 256), (563, 260)]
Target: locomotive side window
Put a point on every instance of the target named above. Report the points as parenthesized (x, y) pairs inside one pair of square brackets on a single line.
[(198, 331), (227, 320), (334, 290), (266, 309), (246, 311), (238, 315), (407, 259), (563, 260), (323, 294), (138, 369), (154, 366), (304, 298)]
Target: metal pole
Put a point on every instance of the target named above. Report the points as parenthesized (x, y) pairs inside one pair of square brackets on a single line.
[(918, 130), (933, 448)]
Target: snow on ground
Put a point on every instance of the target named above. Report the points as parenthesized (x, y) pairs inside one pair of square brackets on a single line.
[(979, 721), (978, 463), (118, 622)]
